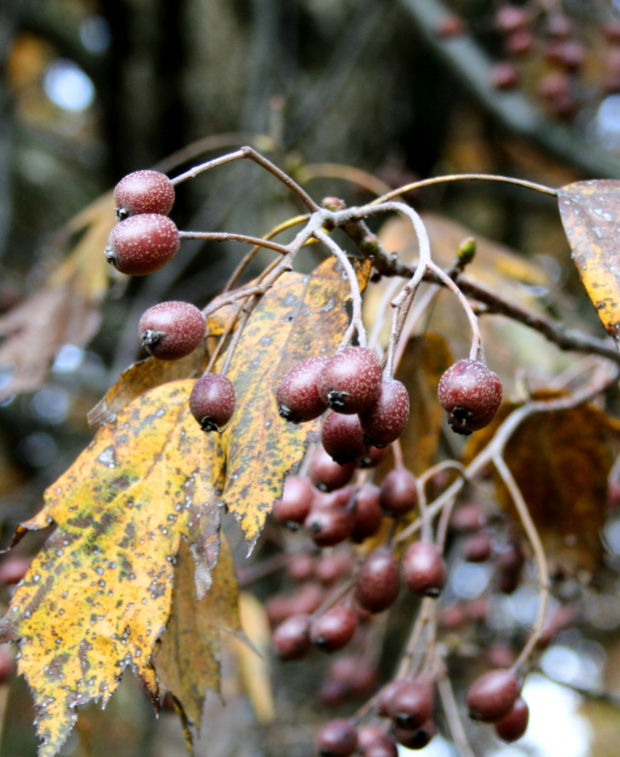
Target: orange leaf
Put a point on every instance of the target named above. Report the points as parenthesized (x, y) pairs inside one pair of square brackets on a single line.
[(299, 317), (98, 595), (590, 213)]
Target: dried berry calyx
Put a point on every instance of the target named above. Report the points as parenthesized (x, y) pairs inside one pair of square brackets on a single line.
[(212, 401), (171, 330), (470, 394), (143, 192), (351, 380)]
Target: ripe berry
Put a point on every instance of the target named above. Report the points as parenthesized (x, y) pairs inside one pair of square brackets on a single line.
[(338, 738), (424, 570), (143, 192), (171, 330), (471, 394), (351, 380), (343, 438), (13, 569), (416, 738), (298, 395), (378, 582), (291, 639), (334, 629), (511, 17), (301, 566), (375, 742), (504, 75), (142, 244), (333, 566), (368, 513), (385, 420), (329, 526), (212, 401), (326, 473), (296, 500), (492, 695), (513, 725), (477, 547), (411, 704), (399, 493)]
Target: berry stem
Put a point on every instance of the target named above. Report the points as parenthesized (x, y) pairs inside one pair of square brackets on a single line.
[(539, 555), (357, 324), (224, 236), (251, 154), (465, 177), (451, 710)]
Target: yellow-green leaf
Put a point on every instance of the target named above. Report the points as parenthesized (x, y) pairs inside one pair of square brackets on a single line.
[(590, 212), (299, 317), (188, 660), (97, 597)]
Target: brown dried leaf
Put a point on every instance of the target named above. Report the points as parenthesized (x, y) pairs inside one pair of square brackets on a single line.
[(64, 311), (561, 461), (188, 659), (97, 597), (299, 317), (590, 212)]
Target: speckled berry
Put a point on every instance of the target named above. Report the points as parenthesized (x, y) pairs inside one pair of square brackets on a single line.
[(385, 420), (343, 438), (377, 583), (142, 244), (423, 569), (351, 380), (212, 401), (493, 695), (326, 474), (171, 330), (470, 394), (298, 395), (143, 192)]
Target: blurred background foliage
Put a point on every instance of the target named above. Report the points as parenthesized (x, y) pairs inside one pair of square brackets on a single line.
[(399, 89)]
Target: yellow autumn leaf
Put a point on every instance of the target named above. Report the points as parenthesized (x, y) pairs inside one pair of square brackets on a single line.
[(98, 595), (590, 212), (299, 317)]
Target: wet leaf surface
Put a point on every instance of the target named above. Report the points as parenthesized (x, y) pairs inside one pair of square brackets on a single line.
[(590, 212), (97, 597)]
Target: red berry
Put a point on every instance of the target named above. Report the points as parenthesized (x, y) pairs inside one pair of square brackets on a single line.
[(351, 380), (296, 501), (142, 244), (329, 526), (291, 639), (511, 17), (368, 513), (399, 493), (298, 395), (212, 401), (470, 394), (333, 566), (343, 438), (143, 192), (13, 569), (375, 742), (334, 629), (416, 738), (477, 547), (377, 583), (504, 75), (492, 695), (385, 420), (338, 738), (513, 725), (326, 473), (424, 570), (171, 330), (411, 704)]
